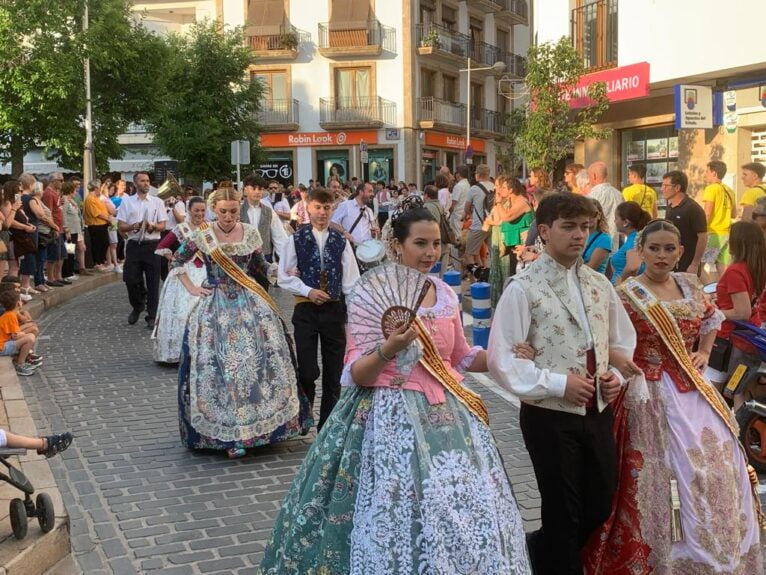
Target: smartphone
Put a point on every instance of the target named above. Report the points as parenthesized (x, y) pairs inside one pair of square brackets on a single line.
[(17, 197)]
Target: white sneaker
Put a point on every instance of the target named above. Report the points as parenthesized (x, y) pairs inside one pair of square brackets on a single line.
[(118, 269), (25, 297), (73, 278)]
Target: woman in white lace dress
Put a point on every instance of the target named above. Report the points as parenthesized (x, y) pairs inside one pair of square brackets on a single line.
[(403, 478), (175, 301)]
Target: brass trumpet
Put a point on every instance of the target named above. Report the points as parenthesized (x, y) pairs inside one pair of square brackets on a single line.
[(169, 188)]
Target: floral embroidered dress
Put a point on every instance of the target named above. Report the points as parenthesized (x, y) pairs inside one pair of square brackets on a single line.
[(402, 479), (175, 301), (666, 429), (237, 385)]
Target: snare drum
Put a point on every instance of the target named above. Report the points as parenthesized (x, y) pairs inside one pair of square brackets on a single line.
[(370, 253)]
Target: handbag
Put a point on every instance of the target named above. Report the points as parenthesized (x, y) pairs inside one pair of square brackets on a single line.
[(447, 233), (720, 355)]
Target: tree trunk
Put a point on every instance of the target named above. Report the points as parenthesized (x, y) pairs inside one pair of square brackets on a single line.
[(17, 155)]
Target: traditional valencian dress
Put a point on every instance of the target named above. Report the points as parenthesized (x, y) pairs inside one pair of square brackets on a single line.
[(237, 384), (175, 300), (685, 503), (403, 478)]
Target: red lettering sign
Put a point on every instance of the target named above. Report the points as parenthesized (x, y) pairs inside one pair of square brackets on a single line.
[(303, 139), (452, 141), (624, 83)]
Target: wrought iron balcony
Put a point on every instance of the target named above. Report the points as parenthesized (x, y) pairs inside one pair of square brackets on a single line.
[(594, 33), (441, 42), (483, 120), (437, 113), (368, 112), (278, 115), (485, 54), (515, 11), (268, 44), (338, 39)]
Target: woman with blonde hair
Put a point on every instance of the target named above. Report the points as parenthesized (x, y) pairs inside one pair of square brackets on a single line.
[(237, 383)]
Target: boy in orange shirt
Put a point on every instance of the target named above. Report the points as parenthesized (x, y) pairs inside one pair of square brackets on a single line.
[(13, 341)]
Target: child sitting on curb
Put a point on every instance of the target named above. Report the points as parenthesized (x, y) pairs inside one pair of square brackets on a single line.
[(14, 342), (28, 325)]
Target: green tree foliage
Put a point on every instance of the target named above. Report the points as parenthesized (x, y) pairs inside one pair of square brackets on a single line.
[(550, 127), (42, 91), (208, 101)]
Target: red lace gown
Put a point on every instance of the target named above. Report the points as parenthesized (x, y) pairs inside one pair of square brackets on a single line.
[(665, 429)]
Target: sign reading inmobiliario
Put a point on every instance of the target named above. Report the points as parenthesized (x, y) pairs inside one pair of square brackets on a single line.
[(306, 139), (623, 83)]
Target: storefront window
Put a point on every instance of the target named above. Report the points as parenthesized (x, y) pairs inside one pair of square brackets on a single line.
[(428, 166), (278, 166), (656, 148), (380, 167), (332, 163), (451, 160)]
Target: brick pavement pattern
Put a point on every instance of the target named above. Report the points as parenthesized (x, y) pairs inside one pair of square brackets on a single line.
[(138, 501)]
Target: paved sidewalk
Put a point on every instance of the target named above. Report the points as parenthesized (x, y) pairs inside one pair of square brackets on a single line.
[(138, 501)]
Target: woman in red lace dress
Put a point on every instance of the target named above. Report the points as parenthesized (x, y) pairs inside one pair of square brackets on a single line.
[(684, 502)]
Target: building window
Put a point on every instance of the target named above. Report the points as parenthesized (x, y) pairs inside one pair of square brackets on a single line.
[(449, 18), (594, 32), (449, 88), (656, 148), (503, 39), (353, 87), (380, 168), (427, 83), (427, 13), (275, 86), (477, 30), (332, 164)]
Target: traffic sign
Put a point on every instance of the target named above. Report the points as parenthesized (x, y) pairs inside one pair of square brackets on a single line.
[(240, 152), (365, 155), (363, 146)]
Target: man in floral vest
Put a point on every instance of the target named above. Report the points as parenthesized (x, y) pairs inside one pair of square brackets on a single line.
[(572, 318)]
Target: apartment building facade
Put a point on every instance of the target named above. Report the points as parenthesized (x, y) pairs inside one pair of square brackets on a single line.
[(649, 51), (354, 80)]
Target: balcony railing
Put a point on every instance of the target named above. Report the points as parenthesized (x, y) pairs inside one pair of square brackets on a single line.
[(485, 54), (442, 38), (350, 35), (436, 111), (518, 7), (514, 64), (372, 111), (504, 8), (287, 38), (278, 113), (594, 33), (486, 121)]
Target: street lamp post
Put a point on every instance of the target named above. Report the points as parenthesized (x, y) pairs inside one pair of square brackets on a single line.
[(498, 67), (88, 168)]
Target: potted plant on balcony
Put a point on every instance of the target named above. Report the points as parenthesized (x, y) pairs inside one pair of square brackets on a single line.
[(288, 41), (431, 39)]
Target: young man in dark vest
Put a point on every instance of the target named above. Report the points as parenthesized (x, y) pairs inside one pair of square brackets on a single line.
[(319, 268), (573, 318), (262, 216)]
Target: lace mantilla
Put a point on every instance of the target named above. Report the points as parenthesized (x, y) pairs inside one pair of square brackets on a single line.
[(251, 241)]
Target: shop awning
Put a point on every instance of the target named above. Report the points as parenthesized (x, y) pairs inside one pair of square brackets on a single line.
[(350, 15), (265, 17)]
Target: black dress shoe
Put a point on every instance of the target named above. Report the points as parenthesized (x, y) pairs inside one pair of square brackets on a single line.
[(133, 317), (54, 283), (149, 323), (66, 282)]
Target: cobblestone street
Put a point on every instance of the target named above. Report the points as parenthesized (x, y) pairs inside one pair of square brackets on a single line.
[(140, 502)]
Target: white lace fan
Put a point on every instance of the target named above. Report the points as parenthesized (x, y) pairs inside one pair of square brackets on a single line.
[(384, 299)]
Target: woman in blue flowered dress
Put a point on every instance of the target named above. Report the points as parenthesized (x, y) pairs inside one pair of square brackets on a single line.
[(237, 385)]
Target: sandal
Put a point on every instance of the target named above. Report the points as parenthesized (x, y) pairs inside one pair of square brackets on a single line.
[(29, 291), (42, 288), (55, 444)]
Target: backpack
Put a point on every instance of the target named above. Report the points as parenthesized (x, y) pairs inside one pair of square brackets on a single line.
[(446, 231), (489, 200)]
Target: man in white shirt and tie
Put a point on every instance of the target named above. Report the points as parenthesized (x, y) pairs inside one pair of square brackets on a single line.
[(260, 215), (142, 216)]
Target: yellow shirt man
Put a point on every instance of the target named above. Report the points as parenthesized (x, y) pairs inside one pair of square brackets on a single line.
[(751, 174), (722, 198), (644, 195)]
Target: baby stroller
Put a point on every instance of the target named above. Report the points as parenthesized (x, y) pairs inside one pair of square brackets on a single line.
[(23, 510)]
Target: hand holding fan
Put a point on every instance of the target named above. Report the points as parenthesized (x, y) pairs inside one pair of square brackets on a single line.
[(388, 297), (385, 298)]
